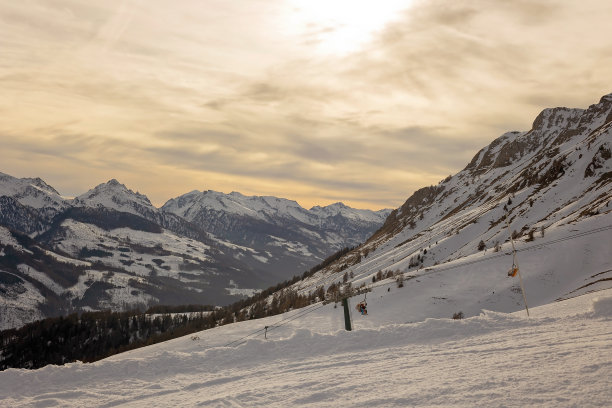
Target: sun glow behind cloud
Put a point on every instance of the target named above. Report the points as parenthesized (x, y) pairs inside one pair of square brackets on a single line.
[(340, 27)]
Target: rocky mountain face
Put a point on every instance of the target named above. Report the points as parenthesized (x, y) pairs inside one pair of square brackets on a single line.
[(110, 248), (116, 196), (555, 177)]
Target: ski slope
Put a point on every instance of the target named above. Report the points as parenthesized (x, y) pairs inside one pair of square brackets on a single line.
[(406, 352), (560, 356)]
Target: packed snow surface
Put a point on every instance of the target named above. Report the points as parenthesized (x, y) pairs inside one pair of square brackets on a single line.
[(560, 356)]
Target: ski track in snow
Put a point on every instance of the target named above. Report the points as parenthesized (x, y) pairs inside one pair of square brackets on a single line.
[(560, 356)]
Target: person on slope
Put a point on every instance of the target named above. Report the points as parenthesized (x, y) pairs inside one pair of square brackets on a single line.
[(362, 307)]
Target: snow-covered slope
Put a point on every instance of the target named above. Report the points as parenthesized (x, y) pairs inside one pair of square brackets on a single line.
[(133, 264), (540, 185), (560, 356)]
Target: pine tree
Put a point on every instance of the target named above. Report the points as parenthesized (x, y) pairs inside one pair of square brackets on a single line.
[(481, 245)]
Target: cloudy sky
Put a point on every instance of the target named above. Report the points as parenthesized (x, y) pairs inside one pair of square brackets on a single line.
[(319, 101)]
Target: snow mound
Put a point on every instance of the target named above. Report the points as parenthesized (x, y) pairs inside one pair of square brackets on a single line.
[(602, 307), (430, 331)]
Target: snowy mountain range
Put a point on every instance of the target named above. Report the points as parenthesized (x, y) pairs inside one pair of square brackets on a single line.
[(110, 248), (283, 233), (446, 324)]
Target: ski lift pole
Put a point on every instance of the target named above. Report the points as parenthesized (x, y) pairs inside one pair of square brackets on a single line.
[(515, 263), (347, 315)]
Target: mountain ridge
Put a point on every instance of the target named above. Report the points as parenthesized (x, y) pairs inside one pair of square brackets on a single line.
[(140, 255)]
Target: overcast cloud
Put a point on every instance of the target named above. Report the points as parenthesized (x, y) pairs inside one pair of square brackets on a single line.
[(309, 100)]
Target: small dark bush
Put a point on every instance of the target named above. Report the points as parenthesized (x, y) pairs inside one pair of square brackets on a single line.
[(458, 315)]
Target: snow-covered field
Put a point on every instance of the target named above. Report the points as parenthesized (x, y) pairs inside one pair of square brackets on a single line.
[(182, 250), (560, 356)]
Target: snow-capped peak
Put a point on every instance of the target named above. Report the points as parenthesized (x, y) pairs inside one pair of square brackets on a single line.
[(606, 98), (31, 192), (42, 185), (117, 196), (556, 118), (345, 211), (190, 205)]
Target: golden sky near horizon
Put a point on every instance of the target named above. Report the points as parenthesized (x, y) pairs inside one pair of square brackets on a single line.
[(313, 100)]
